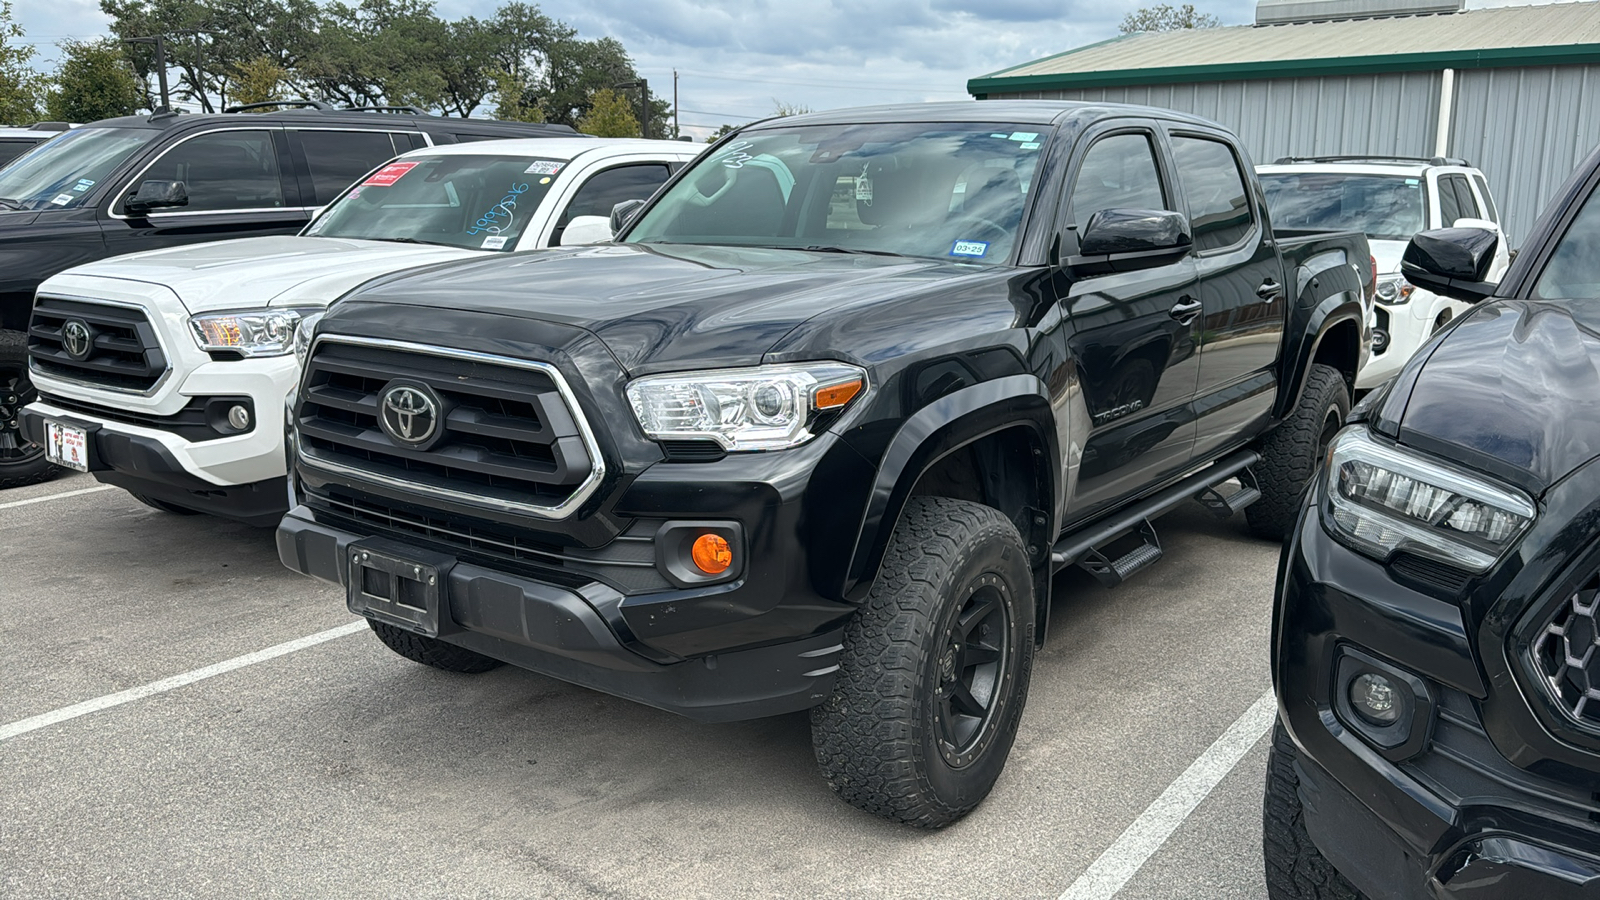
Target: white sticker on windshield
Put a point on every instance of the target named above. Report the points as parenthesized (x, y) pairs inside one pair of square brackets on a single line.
[(1024, 135), (495, 242), (864, 190), (83, 185), (1030, 145), (543, 167), (63, 199), (1413, 181), (970, 248)]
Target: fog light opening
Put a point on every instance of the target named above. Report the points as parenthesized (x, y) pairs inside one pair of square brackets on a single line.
[(1376, 699), (711, 554), (239, 417), (1380, 340)]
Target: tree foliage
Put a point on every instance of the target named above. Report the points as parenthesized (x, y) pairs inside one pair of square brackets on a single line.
[(258, 81), (1167, 18), (609, 115), (783, 109), (717, 135), (93, 81), (21, 88)]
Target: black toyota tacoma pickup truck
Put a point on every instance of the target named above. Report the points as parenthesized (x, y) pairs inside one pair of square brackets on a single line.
[(816, 431), (1435, 636), (145, 182)]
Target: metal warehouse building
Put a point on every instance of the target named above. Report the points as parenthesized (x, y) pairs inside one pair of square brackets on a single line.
[(1514, 91)]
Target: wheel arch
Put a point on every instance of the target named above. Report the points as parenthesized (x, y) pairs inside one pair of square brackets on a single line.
[(1338, 343)]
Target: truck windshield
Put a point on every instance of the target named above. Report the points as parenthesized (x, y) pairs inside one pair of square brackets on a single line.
[(481, 201), (1383, 207), (1573, 272), (63, 170), (940, 191)]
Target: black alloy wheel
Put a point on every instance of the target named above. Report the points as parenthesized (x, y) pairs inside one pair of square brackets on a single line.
[(976, 656), (21, 461)]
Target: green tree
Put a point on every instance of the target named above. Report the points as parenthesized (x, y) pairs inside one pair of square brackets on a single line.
[(609, 115), (21, 88), (94, 81), (1167, 18), (717, 135), (260, 80), (511, 99)]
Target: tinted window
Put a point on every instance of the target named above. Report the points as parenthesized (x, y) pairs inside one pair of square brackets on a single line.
[(224, 170), (1118, 172), (1219, 208), (61, 171), (1449, 204), (1383, 207), (608, 188), (10, 150), (1464, 199), (1488, 200), (1574, 269), (337, 158)]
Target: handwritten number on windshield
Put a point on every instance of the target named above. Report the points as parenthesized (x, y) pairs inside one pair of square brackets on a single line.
[(498, 219)]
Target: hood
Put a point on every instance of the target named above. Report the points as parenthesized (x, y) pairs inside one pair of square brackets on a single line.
[(1388, 254), (660, 307), (1513, 390), (268, 271)]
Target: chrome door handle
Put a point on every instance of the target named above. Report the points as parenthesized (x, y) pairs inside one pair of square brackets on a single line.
[(1268, 290), (1186, 310)]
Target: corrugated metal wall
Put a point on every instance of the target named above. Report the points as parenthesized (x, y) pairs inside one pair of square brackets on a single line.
[(1526, 128)]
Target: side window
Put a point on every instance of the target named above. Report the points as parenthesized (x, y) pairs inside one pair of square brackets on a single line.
[(1219, 205), (1488, 199), (1573, 272), (1468, 203), (223, 170), (1449, 204), (607, 188), (1118, 172), (337, 158), (10, 150)]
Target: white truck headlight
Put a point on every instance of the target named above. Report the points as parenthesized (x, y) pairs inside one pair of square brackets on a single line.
[(256, 332), (762, 408), (1383, 498), (1394, 290)]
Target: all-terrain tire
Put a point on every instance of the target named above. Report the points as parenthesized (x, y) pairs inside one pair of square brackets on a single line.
[(1291, 453), (20, 464), (947, 630), (432, 651), (164, 506), (1296, 869)]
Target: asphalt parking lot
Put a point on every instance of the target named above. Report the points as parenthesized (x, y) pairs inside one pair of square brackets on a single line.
[(338, 769)]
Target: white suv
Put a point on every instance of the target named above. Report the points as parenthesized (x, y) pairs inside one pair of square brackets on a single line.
[(165, 372), (1390, 199)]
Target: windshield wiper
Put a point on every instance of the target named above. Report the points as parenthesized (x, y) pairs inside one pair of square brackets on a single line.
[(403, 240), (8, 203), (820, 248)]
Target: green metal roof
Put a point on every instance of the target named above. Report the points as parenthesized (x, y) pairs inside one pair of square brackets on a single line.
[(1557, 34)]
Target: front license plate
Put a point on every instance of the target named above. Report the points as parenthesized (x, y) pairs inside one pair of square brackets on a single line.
[(396, 584), (66, 446)]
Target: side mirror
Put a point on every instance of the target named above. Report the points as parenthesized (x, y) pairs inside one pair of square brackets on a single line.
[(1123, 240), (1452, 261), (623, 213), (587, 230), (157, 195), (1484, 224)]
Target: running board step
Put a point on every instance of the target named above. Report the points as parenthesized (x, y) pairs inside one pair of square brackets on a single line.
[(1223, 506), (1077, 546), (1112, 572)]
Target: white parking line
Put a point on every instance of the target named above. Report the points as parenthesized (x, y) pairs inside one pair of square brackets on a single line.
[(43, 720), (1123, 859), (61, 495)]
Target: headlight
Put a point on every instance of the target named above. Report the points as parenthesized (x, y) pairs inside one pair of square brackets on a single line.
[(265, 332), (302, 337), (1383, 499), (764, 408), (1394, 290)]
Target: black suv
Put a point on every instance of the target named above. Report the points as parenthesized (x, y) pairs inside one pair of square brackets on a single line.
[(817, 430), (1436, 643), (147, 182)]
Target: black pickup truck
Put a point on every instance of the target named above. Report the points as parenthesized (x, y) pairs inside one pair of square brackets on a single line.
[(146, 182), (817, 430), (1436, 640)]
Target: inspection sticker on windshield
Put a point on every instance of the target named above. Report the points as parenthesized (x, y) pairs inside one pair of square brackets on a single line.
[(388, 175), (1024, 135), (63, 199), (970, 248), (864, 189), (495, 242), (543, 167), (83, 185)]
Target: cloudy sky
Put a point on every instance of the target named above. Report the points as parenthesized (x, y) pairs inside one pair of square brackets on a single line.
[(737, 58)]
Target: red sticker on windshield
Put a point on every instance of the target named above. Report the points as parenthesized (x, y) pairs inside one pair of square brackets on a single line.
[(389, 174)]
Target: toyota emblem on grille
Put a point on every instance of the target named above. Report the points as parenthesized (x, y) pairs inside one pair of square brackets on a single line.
[(77, 339), (410, 414)]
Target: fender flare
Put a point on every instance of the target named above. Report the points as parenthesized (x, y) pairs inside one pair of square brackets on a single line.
[(934, 432), (1334, 310)]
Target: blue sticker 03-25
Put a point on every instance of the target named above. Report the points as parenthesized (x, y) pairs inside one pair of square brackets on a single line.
[(970, 248)]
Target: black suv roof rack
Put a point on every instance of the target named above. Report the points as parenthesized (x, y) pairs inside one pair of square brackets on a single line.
[(1367, 157), (273, 104), (403, 110)]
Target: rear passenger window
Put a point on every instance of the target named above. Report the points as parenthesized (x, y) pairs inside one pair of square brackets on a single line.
[(1449, 204), (1488, 199), (1464, 199), (223, 170), (1118, 172), (1219, 206), (606, 189), (337, 158)]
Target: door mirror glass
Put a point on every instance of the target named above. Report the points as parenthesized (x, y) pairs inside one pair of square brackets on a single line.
[(157, 195), (587, 230), (1119, 240), (1451, 261), (623, 213)]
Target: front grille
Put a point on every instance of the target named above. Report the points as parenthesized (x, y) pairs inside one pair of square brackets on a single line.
[(507, 438), (1565, 655), (123, 352)]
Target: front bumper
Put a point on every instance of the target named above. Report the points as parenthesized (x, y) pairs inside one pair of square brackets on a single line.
[(581, 634), (1447, 816)]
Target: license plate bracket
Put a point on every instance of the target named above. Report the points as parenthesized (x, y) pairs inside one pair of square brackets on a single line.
[(66, 445), (400, 585)]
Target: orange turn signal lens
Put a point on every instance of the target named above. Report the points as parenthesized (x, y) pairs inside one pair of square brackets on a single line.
[(712, 553), (837, 395)]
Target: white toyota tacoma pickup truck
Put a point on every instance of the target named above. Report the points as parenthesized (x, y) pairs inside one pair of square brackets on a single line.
[(1390, 199), (165, 373)]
